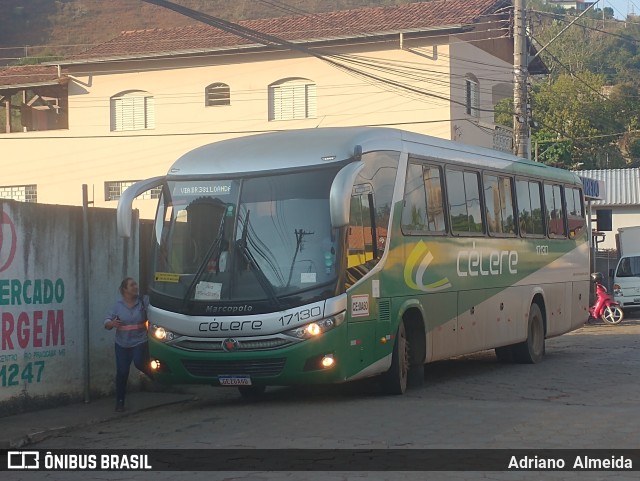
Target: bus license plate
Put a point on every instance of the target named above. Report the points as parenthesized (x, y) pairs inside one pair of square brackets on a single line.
[(234, 380)]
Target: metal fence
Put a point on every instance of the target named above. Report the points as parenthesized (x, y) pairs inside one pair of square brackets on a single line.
[(606, 261)]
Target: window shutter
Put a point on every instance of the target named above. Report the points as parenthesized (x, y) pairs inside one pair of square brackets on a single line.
[(275, 100), (137, 113), (311, 101), (150, 113), (292, 100), (475, 101), (473, 97), (127, 114), (116, 108), (288, 102), (132, 112)]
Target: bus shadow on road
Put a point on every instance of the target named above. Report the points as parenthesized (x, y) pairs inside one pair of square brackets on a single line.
[(436, 374)]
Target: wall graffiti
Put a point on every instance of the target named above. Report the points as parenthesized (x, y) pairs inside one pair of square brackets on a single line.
[(29, 334), (43, 322)]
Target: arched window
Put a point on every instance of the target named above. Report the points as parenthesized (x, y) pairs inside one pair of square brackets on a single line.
[(217, 94), (292, 98), (132, 110), (472, 87)]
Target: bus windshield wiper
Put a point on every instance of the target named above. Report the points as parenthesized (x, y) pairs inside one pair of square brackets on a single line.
[(254, 267), (215, 245)]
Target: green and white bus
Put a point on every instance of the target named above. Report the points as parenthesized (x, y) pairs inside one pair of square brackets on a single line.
[(334, 254)]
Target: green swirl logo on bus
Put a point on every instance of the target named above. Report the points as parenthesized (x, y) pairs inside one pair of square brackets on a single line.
[(415, 268)]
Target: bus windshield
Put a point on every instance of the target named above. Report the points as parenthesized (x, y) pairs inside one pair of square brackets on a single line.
[(245, 239)]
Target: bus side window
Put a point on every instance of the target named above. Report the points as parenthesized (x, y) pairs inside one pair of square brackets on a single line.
[(575, 213), (463, 194), (359, 235), (499, 208), (371, 204), (423, 209), (553, 208), (529, 208)]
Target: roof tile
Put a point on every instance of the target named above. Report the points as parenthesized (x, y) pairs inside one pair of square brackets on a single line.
[(356, 22), (28, 75)]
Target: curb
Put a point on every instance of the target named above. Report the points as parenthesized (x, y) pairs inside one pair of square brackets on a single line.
[(37, 436)]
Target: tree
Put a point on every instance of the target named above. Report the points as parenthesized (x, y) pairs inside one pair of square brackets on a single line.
[(577, 123), (503, 112)]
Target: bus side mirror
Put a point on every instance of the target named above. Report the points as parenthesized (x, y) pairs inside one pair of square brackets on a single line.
[(340, 194), (123, 215), (611, 271)]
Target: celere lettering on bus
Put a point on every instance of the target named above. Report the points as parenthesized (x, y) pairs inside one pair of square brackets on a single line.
[(475, 262)]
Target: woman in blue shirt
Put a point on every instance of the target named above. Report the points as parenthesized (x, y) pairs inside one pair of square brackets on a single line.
[(128, 317)]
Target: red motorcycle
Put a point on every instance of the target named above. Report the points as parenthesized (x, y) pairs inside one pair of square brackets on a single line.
[(605, 307)]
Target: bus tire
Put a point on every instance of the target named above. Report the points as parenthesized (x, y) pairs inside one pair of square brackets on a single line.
[(531, 351), (250, 392), (504, 354), (394, 381), (415, 376)]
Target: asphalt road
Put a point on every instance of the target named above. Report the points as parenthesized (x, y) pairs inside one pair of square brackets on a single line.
[(584, 395)]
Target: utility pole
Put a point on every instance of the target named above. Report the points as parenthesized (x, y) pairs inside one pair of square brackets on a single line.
[(520, 77)]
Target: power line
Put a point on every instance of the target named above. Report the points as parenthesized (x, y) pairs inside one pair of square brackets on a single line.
[(588, 27), (270, 40), (217, 132)]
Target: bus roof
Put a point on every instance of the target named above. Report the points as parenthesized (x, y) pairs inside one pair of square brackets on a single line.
[(320, 146)]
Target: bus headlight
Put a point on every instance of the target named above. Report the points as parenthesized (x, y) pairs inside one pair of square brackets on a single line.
[(316, 328), (161, 334), (617, 290)]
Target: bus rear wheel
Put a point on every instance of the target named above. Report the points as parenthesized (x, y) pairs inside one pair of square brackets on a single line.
[(394, 381), (504, 354), (531, 351)]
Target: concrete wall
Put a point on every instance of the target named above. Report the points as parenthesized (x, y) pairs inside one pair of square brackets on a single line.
[(42, 317)]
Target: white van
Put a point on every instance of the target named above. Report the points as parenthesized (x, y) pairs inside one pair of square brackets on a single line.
[(626, 282)]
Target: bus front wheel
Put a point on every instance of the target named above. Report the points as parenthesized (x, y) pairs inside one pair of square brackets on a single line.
[(394, 381)]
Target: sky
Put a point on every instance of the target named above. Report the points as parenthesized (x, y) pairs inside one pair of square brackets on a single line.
[(621, 7)]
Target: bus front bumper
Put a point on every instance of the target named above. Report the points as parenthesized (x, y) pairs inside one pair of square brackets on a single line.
[(300, 363)]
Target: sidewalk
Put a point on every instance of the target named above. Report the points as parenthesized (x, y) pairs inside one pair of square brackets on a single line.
[(32, 427)]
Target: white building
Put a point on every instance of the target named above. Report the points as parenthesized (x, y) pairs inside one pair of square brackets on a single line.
[(621, 197), (577, 5)]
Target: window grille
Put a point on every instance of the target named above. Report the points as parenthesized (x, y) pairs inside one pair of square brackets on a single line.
[(217, 94), (113, 190), (21, 193)]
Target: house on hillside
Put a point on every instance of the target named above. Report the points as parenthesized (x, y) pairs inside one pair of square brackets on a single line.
[(577, 5), (126, 109)]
